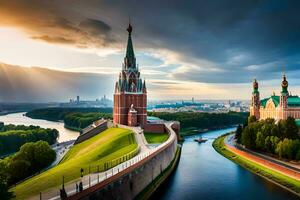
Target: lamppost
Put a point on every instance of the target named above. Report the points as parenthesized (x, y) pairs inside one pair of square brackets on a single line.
[(81, 172), (63, 193)]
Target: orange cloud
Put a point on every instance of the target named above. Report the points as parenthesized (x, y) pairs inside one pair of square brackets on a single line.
[(53, 22)]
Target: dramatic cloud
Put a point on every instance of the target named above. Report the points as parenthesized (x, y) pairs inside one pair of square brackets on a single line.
[(215, 42), (54, 22), (22, 84)]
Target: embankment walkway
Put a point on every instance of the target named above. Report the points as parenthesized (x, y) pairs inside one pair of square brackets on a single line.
[(286, 168)]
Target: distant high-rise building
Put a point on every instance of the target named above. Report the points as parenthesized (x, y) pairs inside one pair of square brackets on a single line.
[(78, 99), (130, 97)]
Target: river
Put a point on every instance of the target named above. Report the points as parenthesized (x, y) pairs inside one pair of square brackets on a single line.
[(202, 173), (21, 119)]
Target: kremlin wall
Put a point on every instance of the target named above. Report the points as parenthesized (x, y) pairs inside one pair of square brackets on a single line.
[(136, 181)]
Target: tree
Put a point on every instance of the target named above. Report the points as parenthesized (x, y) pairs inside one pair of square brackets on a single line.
[(295, 147), (238, 133), (275, 131), (31, 158), (18, 170), (268, 144), (4, 190), (298, 155), (284, 149), (291, 129), (251, 119), (43, 154), (279, 149), (260, 141), (27, 153), (248, 137), (274, 141), (13, 137)]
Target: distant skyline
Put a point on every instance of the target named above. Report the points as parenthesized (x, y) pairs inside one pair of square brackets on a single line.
[(202, 49)]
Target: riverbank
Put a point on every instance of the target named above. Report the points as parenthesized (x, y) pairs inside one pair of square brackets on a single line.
[(282, 180), (71, 128), (21, 119), (152, 187), (194, 131)]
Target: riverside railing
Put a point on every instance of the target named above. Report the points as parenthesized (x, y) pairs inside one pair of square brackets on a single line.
[(95, 175)]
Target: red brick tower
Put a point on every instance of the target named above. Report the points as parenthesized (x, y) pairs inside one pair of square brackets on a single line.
[(130, 91), (255, 102)]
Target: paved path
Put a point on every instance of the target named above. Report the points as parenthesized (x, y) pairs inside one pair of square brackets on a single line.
[(286, 168), (61, 149), (92, 179)]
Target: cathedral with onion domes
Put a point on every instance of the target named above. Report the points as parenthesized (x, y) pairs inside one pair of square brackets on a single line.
[(276, 106)]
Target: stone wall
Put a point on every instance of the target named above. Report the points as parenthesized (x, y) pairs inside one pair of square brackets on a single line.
[(155, 128), (129, 183), (92, 131)]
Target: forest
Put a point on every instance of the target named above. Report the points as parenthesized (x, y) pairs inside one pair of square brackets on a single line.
[(203, 120)]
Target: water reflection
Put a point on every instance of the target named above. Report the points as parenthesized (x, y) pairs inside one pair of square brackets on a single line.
[(202, 173)]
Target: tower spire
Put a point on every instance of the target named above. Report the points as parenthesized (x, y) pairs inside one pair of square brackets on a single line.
[(129, 59), (284, 84), (255, 86)]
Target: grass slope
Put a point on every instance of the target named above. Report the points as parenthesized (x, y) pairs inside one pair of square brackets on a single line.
[(278, 178), (156, 137), (110, 145)]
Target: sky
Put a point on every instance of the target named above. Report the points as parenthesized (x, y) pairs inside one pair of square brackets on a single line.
[(53, 50)]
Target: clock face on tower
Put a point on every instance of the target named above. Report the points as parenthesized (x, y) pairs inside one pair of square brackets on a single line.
[(284, 83)]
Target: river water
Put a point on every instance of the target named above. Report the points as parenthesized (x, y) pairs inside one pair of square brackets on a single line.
[(202, 173), (21, 119)]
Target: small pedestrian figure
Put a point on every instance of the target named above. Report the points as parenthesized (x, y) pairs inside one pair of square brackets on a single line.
[(80, 186), (77, 188), (63, 194)]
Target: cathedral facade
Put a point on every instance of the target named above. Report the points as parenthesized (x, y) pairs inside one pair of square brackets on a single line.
[(130, 96), (277, 107)]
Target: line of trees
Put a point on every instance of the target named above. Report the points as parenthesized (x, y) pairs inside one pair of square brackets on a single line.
[(57, 113), (12, 137), (203, 120), (281, 139), (74, 118), (82, 120)]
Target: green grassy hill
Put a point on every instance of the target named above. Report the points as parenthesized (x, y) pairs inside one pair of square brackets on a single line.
[(107, 147), (156, 137)]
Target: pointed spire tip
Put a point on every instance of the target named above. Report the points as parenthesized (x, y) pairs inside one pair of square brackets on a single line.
[(129, 29)]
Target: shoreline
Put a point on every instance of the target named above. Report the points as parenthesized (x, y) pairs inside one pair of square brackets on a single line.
[(206, 131), (154, 186), (262, 171)]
